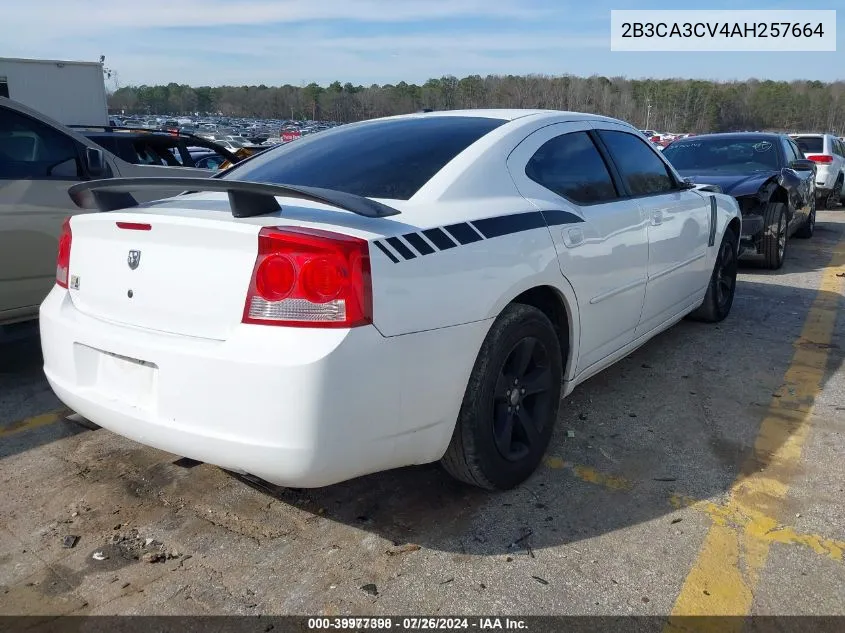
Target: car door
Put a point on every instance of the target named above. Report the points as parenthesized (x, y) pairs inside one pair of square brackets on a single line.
[(37, 165), (601, 239), (678, 225)]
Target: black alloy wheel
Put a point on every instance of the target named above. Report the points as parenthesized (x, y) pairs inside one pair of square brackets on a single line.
[(726, 265), (521, 401), (510, 403), (775, 234)]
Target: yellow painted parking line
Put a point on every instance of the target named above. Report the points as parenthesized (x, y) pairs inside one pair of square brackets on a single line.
[(761, 527), (756, 525), (724, 577), (590, 475), (34, 422)]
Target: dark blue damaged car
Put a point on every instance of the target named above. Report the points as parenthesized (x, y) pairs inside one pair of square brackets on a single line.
[(767, 174)]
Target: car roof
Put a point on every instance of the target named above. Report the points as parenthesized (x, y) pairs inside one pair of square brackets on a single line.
[(734, 136), (132, 135), (507, 114)]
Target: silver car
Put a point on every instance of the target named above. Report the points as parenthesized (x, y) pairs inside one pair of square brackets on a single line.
[(39, 159)]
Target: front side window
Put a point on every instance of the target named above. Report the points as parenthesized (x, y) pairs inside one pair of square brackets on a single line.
[(30, 149), (787, 151), (571, 166), (638, 164), (378, 159)]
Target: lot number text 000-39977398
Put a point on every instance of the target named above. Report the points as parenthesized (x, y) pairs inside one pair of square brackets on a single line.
[(417, 623), (723, 30)]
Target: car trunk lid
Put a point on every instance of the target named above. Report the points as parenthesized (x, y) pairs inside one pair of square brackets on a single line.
[(183, 275)]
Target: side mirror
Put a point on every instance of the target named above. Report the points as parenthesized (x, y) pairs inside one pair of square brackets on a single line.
[(95, 162), (802, 164), (687, 183)]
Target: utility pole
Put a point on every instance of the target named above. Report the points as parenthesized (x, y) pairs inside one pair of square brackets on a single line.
[(648, 113)]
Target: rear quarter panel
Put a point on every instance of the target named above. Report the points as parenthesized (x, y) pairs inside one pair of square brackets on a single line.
[(462, 283)]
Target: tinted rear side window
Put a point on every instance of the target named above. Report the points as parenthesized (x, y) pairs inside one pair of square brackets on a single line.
[(639, 165), (120, 146), (379, 159), (31, 149), (571, 166), (106, 142), (810, 144)]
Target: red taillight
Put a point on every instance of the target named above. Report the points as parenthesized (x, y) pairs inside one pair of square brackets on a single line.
[(63, 256), (275, 277), (134, 226), (821, 158), (309, 278)]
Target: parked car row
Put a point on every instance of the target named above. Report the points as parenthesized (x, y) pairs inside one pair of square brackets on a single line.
[(230, 132)]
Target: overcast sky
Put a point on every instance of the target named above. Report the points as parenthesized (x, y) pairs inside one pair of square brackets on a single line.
[(215, 42)]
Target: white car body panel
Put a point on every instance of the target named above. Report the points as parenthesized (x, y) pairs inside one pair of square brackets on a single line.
[(174, 367), (827, 173)]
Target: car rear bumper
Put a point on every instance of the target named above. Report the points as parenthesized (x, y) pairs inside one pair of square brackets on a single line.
[(295, 406), (825, 179)]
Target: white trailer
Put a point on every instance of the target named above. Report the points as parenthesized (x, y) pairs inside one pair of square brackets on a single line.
[(73, 93)]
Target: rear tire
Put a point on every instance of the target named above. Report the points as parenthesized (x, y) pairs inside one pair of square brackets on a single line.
[(775, 233), (511, 402), (720, 292)]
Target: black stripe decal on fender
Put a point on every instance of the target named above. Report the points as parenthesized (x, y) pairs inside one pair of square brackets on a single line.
[(418, 243), (712, 239), (463, 232), (399, 247), (384, 250), (469, 232), (507, 224), (439, 239), (556, 217)]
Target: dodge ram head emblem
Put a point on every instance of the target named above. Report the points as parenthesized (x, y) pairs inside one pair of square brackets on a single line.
[(134, 259)]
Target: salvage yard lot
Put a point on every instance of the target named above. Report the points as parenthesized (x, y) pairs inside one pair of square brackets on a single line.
[(702, 474)]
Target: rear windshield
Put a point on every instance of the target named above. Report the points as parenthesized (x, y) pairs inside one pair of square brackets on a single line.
[(810, 144), (727, 154), (378, 159)]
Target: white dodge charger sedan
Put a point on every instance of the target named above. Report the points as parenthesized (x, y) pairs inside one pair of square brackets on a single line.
[(386, 293)]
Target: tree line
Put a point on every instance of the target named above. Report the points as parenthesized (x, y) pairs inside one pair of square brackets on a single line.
[(671, 105)]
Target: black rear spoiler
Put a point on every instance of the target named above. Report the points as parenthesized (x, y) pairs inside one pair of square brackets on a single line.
[(247, 199)]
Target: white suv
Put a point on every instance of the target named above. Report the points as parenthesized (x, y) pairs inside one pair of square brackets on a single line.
[(828, 152)]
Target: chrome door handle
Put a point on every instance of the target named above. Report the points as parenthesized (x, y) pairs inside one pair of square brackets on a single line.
[(572, 237), (657, 218)]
